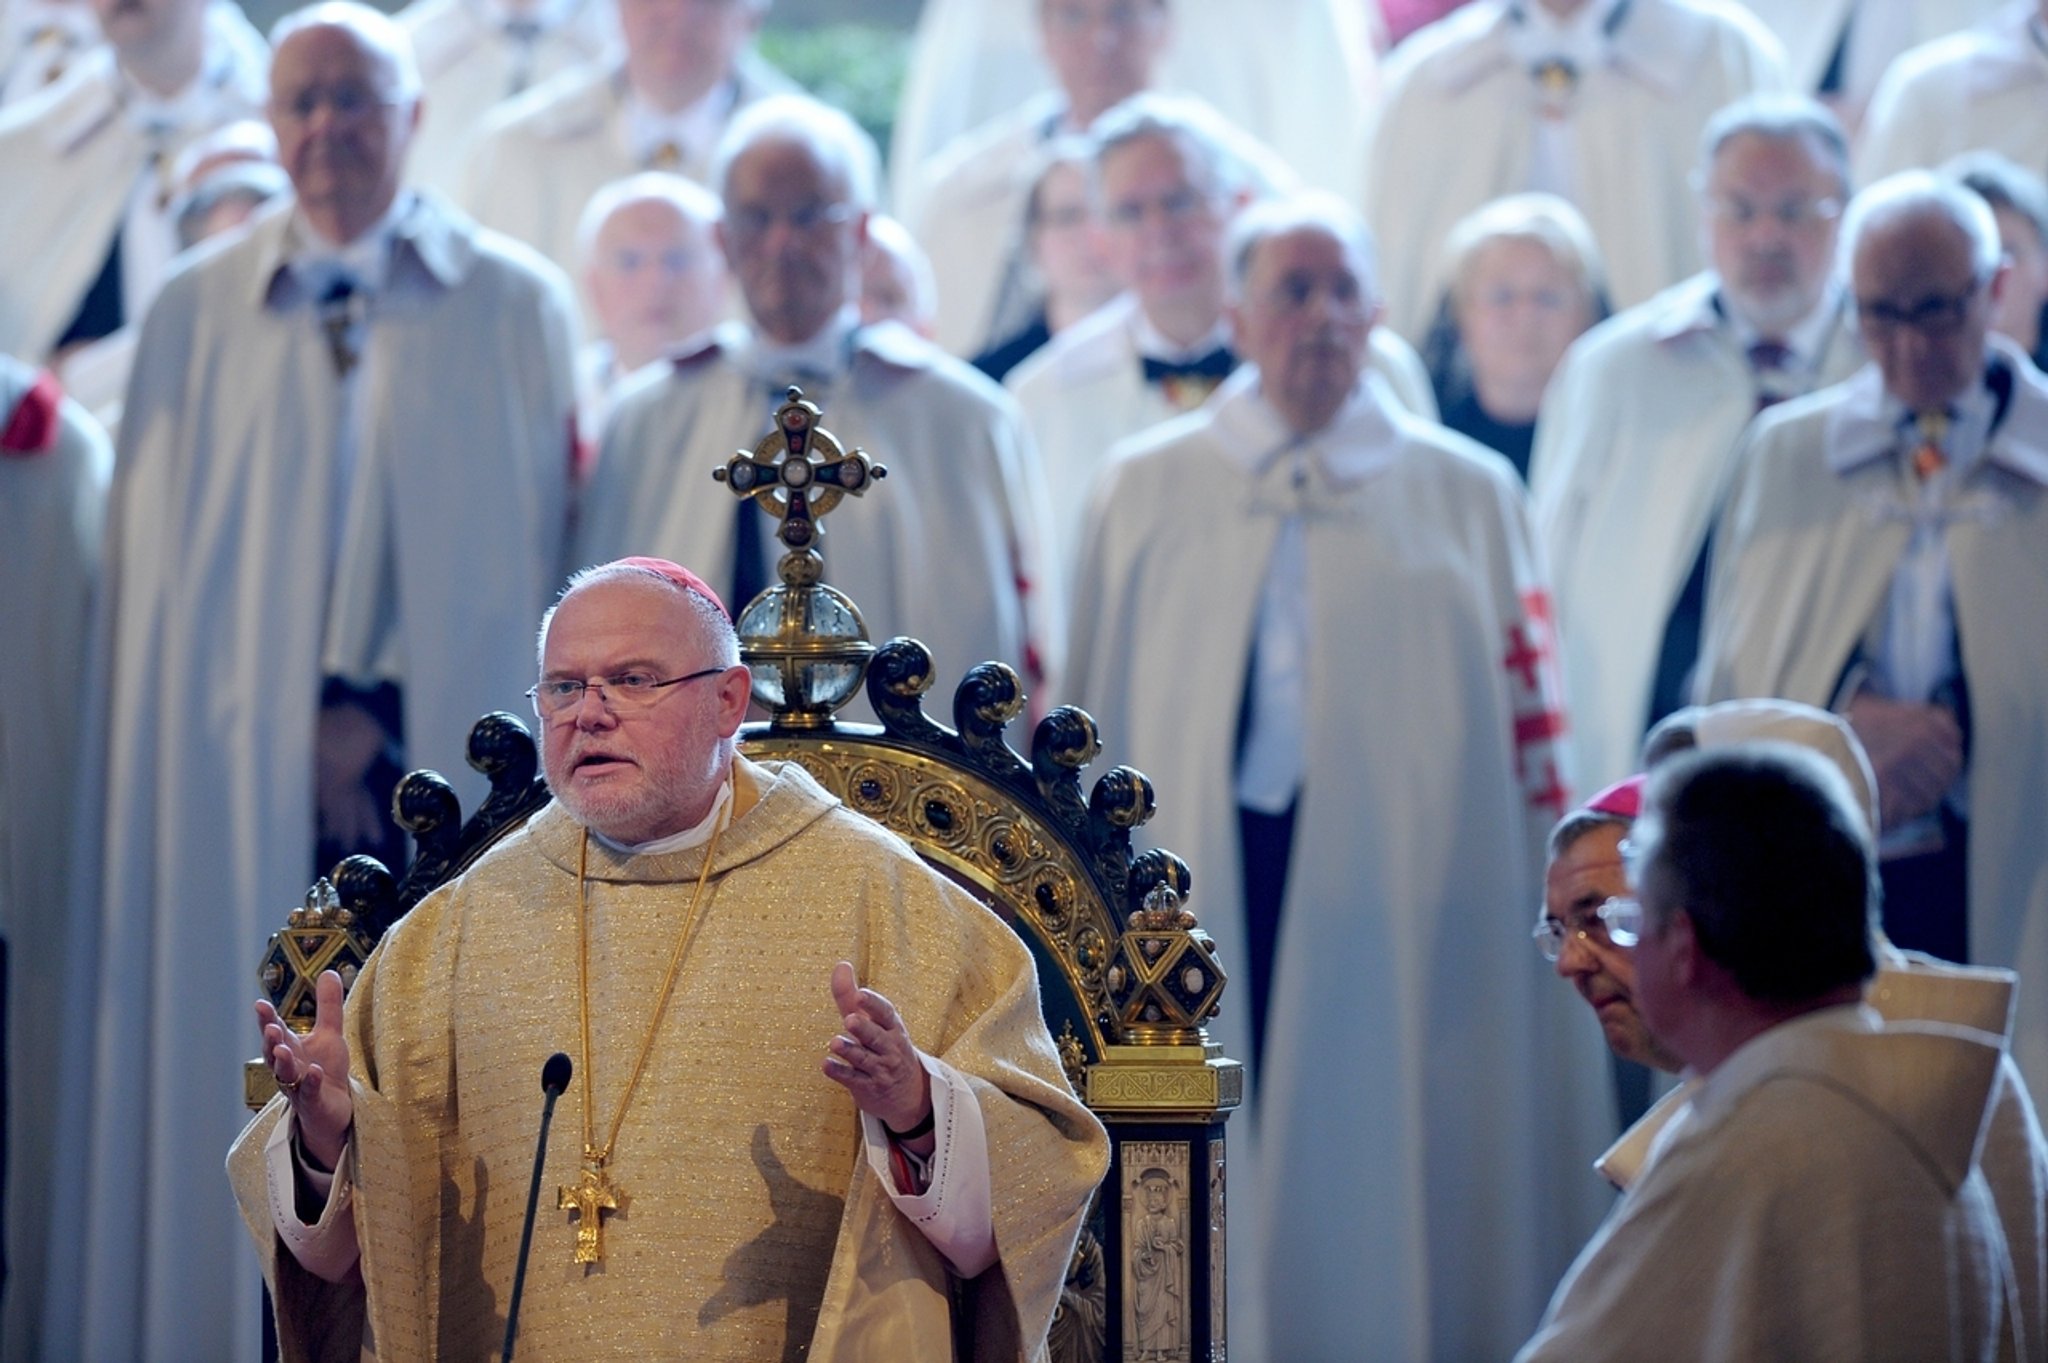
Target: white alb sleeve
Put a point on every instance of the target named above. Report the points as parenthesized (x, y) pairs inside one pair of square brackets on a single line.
[(954, 1211), (327, 1248)]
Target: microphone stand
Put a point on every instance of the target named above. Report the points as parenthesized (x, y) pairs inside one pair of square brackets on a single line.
[(554, 1078)]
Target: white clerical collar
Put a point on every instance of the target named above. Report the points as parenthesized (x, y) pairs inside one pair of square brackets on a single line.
[(1358, 439), (366, 260), (696, 835), (826, 355), (690, 132), (1154, 344)]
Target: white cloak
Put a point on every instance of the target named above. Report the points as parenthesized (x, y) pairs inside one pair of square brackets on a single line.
[(1811, 534), (1299, 79), (1817, 1200), (52, 507), (1394, 1184), (1634, 448), (77, 145), (1986, 87), (1085, 390), (1456, 129), (937, 550), (220, 529), (467, 68), (538, 159)]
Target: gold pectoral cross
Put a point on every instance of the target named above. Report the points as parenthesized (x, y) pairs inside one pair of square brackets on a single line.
[(590, 1199)]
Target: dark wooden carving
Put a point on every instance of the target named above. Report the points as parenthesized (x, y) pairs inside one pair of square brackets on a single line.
[(502, 749)]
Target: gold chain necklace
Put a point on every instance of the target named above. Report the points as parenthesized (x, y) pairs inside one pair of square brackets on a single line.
[(595, 1193)]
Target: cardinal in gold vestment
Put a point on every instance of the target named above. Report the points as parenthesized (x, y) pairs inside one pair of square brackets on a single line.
[(751, 1226)]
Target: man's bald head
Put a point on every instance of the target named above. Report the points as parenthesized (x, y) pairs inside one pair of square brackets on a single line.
[(651, 263), (344, 102), (798, 178), (386, 46), (1926, 267)]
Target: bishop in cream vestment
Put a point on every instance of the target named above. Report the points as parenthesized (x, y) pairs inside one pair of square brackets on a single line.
[(1394, 1188), (1816, 1200), (753, 1229)]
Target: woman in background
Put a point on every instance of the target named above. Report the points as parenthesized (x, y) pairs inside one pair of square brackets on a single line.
[(1525, 281)]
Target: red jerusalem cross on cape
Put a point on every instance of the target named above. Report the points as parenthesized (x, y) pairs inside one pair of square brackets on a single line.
[(1534, 690)]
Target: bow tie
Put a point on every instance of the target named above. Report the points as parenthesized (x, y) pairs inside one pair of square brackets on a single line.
[(1217, 365)]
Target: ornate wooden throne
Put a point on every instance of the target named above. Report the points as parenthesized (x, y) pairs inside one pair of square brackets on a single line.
[(1127, 978)]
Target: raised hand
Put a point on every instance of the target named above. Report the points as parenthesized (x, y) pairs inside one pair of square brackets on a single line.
[(874, 1058), (312, 1070)]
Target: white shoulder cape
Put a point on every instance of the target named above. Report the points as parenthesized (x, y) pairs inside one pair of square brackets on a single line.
[(466, 70), (1085, 390)]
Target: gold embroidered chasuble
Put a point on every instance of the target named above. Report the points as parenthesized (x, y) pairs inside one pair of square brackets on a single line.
[(752, 1226)]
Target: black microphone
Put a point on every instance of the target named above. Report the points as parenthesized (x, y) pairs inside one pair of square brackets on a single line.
[(554, 1078)]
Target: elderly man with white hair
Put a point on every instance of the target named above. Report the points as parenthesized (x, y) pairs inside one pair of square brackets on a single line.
[(660, 102), (341, 493), (1637, 435), (1321, 622), (1883, 553), (652, 277), (947, 549), (1168, 178), (91, 228)]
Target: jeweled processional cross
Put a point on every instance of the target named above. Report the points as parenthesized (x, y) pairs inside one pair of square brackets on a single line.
[(798, 473)]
